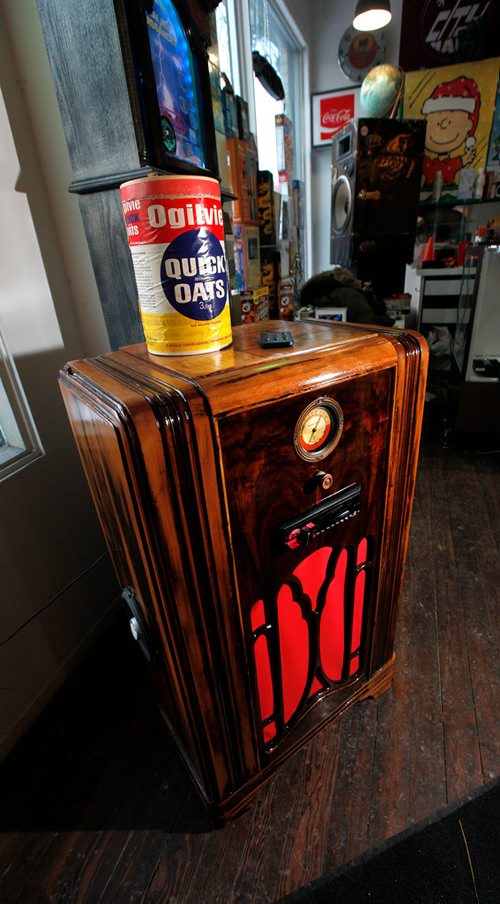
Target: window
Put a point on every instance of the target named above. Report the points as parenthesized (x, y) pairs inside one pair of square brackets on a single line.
[(266, 26), (224, 33), (274, 41), (19, 440)]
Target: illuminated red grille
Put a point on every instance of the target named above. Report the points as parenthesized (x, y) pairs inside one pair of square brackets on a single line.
[(310, 638)]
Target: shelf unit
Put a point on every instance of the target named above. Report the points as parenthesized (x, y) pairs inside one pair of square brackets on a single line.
[(435, 294)]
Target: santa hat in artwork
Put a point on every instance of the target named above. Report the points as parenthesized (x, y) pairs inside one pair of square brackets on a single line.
[(459, 94)]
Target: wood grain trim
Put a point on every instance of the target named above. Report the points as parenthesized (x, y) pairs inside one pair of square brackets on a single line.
[(190, 540)]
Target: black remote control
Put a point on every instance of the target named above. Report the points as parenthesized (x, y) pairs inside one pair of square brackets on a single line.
[(276, 340)]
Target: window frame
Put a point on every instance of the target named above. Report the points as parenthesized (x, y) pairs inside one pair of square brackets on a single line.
[(20, 414), (241, 37)]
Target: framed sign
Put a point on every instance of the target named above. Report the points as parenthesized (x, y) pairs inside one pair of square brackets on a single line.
[(166, 64), (443, 32), (330, 111)]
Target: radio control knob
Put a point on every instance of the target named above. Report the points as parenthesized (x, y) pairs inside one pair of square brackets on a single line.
[(324, 480)]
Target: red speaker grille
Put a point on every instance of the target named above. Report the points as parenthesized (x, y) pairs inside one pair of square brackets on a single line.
[(309, 639)]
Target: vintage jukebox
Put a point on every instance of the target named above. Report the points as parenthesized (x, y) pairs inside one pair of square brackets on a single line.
[(256, 504)]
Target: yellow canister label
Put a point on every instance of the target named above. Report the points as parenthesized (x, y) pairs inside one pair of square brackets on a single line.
[(169, 334), (176, 236)]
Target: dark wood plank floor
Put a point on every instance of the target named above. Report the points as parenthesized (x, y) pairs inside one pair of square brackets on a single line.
[(96, 807)]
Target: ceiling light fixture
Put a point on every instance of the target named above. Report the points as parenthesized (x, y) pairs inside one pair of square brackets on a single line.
[(372, 14)]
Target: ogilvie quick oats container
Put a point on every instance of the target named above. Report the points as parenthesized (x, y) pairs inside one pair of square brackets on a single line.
[(176, 236)]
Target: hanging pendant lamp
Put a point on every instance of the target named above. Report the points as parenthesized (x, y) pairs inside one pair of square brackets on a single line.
[(372, 14)]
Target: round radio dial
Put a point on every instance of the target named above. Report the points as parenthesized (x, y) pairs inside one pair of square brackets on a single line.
[(318, 429)]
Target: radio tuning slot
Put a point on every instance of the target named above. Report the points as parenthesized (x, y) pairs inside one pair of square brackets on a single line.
[(318, 519)]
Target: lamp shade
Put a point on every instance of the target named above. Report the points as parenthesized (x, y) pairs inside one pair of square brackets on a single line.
[(372, 14)]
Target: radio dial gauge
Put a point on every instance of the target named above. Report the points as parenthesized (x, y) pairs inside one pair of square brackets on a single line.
[(318, 429)]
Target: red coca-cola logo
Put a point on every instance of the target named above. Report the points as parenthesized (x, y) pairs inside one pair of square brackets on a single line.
[(334, 113), (336, 118)]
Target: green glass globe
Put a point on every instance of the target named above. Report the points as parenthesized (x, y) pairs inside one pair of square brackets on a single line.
[(380, 89)]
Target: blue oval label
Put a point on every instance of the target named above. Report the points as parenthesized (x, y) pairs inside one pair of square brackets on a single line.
[(194, 276)]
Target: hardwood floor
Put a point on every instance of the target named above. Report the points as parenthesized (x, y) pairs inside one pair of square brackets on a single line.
[(96, 807)]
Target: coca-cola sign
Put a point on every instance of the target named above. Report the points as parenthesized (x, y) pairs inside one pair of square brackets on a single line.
[(333, 119), (332, 110)]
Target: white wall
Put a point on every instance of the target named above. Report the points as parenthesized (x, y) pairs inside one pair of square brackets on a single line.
[(301, 13), (50, 313), (329, 20)]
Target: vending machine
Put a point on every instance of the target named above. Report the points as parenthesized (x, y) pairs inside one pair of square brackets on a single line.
[(256, 503)]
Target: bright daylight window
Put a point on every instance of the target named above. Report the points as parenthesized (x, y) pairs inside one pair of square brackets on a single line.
[(19, 440), (276, 44), (224, 42)]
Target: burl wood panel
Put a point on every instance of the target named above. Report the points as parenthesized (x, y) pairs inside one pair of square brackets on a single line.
[(191, 465)]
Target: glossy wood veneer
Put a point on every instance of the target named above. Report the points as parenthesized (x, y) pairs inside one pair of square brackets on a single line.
[(191, 465)]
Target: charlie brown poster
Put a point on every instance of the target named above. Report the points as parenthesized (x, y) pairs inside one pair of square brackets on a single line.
[(458, 103)]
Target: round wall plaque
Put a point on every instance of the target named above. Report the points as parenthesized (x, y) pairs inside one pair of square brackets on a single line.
[(360, 51)]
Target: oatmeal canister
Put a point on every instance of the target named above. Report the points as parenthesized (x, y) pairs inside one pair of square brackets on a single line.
[(176, 236)]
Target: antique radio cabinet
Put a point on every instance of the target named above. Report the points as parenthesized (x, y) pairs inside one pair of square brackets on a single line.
[(256, 504)]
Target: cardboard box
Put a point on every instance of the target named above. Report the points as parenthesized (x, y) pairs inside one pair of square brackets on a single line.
[(284, 147), (235, 308), (285, 258), (242, 118), (229, 246), (398, 303), (216, 92), (254, 305), (333, 313), (229, 113), (286, 299), (246, 256), (266, 208), (285, 230), (270, 275), (298, 204), (220, 140), (243, 168)]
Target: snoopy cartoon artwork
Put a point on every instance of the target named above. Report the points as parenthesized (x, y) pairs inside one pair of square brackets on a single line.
[(458, 103)]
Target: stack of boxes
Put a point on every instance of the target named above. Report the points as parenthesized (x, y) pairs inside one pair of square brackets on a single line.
[(263, 227), (243, 174), (250, 300), (298, 207), (281, 227), (270, 262), (286, 287), (230, 129)]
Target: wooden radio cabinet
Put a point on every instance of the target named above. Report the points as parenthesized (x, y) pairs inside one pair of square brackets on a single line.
[(256, 504)]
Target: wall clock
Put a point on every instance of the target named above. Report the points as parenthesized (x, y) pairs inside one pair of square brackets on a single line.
[(360, 51)]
